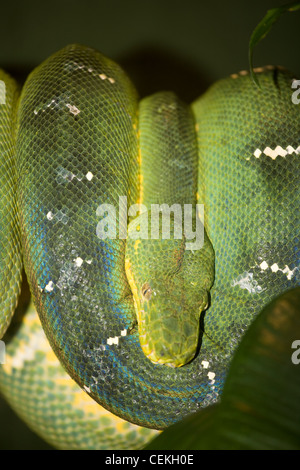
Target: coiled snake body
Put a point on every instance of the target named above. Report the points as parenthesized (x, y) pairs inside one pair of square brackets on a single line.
[(75, 146)]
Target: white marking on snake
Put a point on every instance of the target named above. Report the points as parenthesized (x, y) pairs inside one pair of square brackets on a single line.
[(87, 389), (291, 149), (257, 153), (43, 107), (73, 109), (60, 216), (256, 70), (289, 272), (49, 287), (93, 72), (275, 268), (114, 340), (64, 175), (264, 265), (246, 281), (277, 152), (89, 176), (211, 376), (78, 261), (105, 77)]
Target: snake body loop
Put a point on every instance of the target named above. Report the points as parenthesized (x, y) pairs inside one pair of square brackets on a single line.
[(77, 141), (174, 269)]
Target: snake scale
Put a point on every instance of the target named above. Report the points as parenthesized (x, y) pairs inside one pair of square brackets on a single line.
[(145, 326)]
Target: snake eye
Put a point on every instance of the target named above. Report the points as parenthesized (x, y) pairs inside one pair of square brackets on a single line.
[(146, 291)]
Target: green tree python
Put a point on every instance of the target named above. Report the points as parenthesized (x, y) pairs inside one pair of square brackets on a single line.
[(146, 325)]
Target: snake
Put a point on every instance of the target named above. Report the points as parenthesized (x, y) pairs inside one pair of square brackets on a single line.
[(151, 232)]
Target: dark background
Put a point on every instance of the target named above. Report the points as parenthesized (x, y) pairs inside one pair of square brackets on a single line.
[(179, 45)]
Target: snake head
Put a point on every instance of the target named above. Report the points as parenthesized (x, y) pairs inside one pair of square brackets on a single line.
[(170, 291), (169, 320)]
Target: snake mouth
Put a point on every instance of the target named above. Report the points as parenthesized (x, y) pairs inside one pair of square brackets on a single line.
[(168, 358)]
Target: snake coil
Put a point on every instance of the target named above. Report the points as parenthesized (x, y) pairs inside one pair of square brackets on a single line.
[(75, 141)]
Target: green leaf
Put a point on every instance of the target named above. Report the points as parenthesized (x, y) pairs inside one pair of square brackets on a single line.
[(188, 433), (263, 28), (260, 404)]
